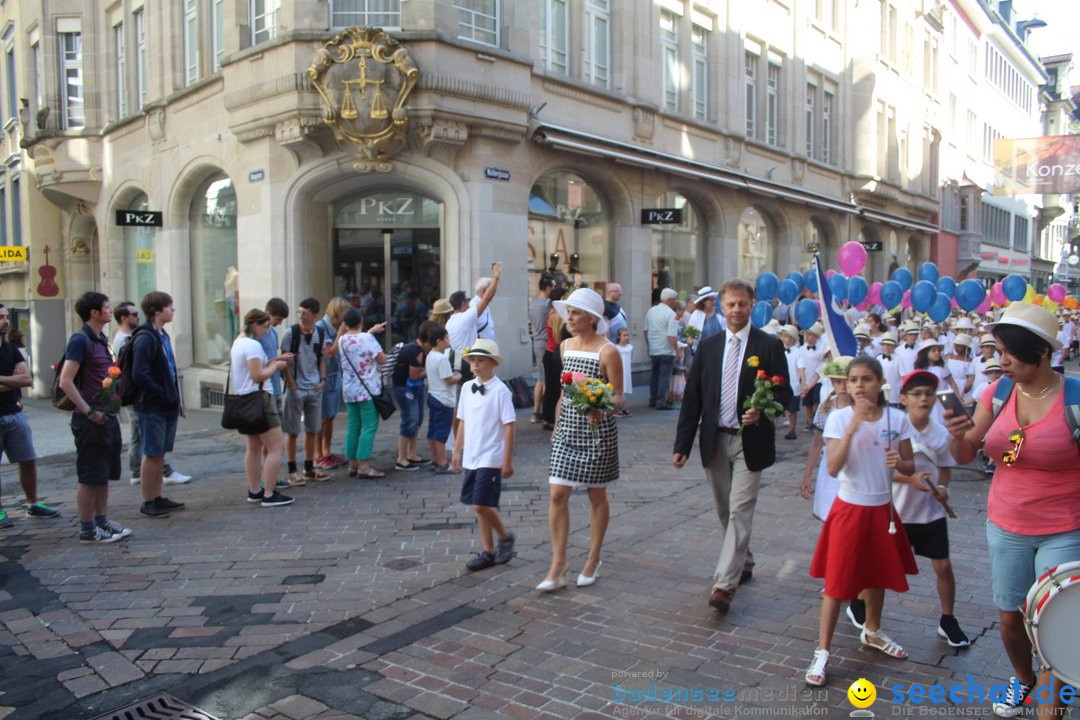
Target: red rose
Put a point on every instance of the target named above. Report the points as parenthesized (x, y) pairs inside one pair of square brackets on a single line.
[(566, 378), (762, 374), (776, 380)]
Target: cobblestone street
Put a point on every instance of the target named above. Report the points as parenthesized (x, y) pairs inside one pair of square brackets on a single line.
[(354, 601)]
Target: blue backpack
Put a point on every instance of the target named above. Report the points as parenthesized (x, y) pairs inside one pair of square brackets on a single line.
[(1072, 403)]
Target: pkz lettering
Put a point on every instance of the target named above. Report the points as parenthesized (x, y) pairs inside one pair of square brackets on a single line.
[(396, 206), (139, 218)]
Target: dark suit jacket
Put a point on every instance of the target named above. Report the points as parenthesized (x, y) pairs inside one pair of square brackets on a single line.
[(701, 399)]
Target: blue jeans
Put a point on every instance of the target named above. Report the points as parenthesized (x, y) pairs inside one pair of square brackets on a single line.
[(660, 380), (1017, 560), (411, 409)]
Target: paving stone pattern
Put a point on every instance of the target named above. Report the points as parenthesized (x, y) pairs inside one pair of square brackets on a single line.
[(354, 601)]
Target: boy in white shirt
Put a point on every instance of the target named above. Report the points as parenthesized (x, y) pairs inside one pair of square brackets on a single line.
[(790, 336), (890, 367), (811, 357), (906, 352), (484, 447), (442, 396)]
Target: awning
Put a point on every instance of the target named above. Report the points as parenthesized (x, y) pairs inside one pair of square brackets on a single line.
[(898, 220), (588, 144)]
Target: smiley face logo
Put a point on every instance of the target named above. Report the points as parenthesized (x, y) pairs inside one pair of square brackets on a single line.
[(862, 693)]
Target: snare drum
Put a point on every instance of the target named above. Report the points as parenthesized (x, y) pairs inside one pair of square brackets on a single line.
[(1051, 614)]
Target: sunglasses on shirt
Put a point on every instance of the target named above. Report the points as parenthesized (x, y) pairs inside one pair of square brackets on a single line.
[(1009, 457)]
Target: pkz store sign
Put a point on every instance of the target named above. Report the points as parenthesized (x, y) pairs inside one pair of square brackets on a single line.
[(661, 216), (138, 218), (402, 209)]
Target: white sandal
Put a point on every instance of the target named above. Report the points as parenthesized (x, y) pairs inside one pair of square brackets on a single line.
[(815, 674), (880, 641)]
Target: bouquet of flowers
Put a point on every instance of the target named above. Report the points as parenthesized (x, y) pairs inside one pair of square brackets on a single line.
[(109, 394), (586, 394), (688, 333), (762, 398)]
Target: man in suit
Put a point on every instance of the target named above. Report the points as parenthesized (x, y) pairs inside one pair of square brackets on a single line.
[(721, 378)]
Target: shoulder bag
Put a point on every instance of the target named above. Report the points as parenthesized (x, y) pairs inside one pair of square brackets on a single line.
[(384, 401), (245, 413)]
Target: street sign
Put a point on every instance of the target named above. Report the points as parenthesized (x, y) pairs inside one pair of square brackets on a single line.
[(494, 173), (873, 245), (661, 216), (138, 218)]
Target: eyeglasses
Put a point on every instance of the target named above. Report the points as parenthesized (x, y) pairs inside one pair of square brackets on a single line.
[(919, 395), (1016, 437)]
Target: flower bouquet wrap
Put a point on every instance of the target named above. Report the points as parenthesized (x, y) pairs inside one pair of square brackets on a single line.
[(108, 397), (586, 394), (762, 397)]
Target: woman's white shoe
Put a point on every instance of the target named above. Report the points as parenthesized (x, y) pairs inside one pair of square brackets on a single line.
[(584, 580), (815, 674), (547, 586)]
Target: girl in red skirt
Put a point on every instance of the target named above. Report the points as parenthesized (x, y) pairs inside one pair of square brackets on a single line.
[(863, 548)]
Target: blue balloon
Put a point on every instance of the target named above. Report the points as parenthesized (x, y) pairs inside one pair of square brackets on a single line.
[(806, 313), (838, 284), (766, 286), (903, 277), (892, 293), (788, 291), (797, 277), (947, 285), (811, 281), (970, 293), (923, 296), (761, 314), (929, 271), (941, 308), (1015, 287), (857, 289)]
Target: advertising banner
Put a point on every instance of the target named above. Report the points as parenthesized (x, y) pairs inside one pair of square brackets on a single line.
[(1037, 166)]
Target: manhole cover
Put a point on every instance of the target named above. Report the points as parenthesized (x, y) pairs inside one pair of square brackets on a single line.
[(158, 707), (401, 564)]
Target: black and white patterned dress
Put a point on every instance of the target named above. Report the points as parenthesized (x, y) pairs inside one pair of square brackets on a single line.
[(578, 457)]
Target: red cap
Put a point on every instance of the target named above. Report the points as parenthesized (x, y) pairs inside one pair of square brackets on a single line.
[(925, 377)]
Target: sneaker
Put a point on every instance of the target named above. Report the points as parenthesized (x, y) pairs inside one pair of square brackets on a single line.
[(1016, 695), (255, 497), (856, 612), (536, 418), (177, 478), (150, 509), (5, 521), (316, 476), (165, 503), (482, 561), (421, 462), (276, 499), (949, 629), (41, 510), (119, 531), (337, 460), (504, 550), (136, 479), (283, 483), (98, 535), (791, 436), (325, 462), (407, 467), (296, 480), (442, 469)]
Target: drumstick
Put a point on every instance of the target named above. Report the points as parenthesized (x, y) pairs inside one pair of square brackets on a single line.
[(934, 491)]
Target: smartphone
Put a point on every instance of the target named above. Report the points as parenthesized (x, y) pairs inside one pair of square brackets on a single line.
[(949, 401)]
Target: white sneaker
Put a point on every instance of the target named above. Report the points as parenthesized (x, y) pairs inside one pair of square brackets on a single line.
[(136, 481), (177, 478)]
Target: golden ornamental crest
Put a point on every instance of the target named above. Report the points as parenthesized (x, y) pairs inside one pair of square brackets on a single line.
[(364, 77)]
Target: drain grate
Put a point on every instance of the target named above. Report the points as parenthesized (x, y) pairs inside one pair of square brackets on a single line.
[(162, 706)]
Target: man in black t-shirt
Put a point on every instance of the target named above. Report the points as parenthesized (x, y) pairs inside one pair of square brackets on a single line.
[(16, 439)]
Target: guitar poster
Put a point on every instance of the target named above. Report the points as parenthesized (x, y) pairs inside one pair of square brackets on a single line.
[(46, 279)]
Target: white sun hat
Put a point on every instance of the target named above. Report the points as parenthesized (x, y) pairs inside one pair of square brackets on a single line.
[(1032, 318), (588, 301)]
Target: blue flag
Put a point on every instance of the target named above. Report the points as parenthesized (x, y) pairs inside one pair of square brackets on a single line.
[(839, 335)]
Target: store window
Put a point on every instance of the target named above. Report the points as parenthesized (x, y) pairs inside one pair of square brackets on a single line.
[(569, 228), (678, 251), (816, 240), (755, 244), (140, 274), (215, 281)]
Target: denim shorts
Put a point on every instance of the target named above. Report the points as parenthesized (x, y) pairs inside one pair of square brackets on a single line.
[(482, 486), (412, 411), (157, 431), (1017, 560), (16, 440), (331, 396), (440, 417), (306, 404)]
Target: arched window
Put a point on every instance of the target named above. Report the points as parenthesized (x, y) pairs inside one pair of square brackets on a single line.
[(215, 280), (569, 219), (816, 239), (678, 251), (755, 244), (139, 254)]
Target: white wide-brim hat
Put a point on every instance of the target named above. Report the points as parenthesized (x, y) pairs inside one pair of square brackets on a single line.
[(817, 329), (586, 300), (1032, 318), (705, 293), (931, 342), (962, 339), (484, 348)]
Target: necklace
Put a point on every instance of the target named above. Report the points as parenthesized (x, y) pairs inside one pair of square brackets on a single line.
[(1042, 393)]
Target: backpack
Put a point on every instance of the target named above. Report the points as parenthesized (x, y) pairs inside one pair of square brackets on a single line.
[(317, 341), (60, 399), (387, 370), (129, 391), (1072, 403)]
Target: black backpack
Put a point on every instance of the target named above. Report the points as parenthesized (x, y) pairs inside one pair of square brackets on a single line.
[(296, 333), (60, 399), (129, 391)]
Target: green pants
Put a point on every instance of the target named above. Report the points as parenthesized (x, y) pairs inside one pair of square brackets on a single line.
[(360, 432)]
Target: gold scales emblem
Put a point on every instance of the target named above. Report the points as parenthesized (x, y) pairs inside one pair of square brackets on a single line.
[(356, 74)]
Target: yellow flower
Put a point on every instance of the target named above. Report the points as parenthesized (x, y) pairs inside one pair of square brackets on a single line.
[(610, 387), (753, 361)]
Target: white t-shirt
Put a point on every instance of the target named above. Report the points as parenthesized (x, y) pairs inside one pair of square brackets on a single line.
[(462, 329), (438, 369), (485, 326), (243, 349), (118, 341), (1065, 337), (931, 449), (791, 354), (865, 479), (485, 415), (625, 353), (890, 367), (960, 371)]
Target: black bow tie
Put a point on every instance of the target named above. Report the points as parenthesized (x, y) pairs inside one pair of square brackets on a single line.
[(811, 347), (886, 357), (909, 347), (788, 351), (478, 388)]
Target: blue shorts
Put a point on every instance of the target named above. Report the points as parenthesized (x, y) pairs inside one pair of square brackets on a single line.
[(482, 486), (439, 420), (331, 396), (813, 397), (16, 440), (1017, 560), (157, 431), (794, 405), (412, 410)]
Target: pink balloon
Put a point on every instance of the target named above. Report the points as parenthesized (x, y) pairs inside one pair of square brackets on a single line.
[(829, 273), (997, 293), (873, 294), (906, 302), (864, 305), (953, 302), (1056, 292), (851, 258), (984, 306)]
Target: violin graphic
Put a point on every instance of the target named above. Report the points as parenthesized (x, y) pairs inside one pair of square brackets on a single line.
[(47, 287)]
